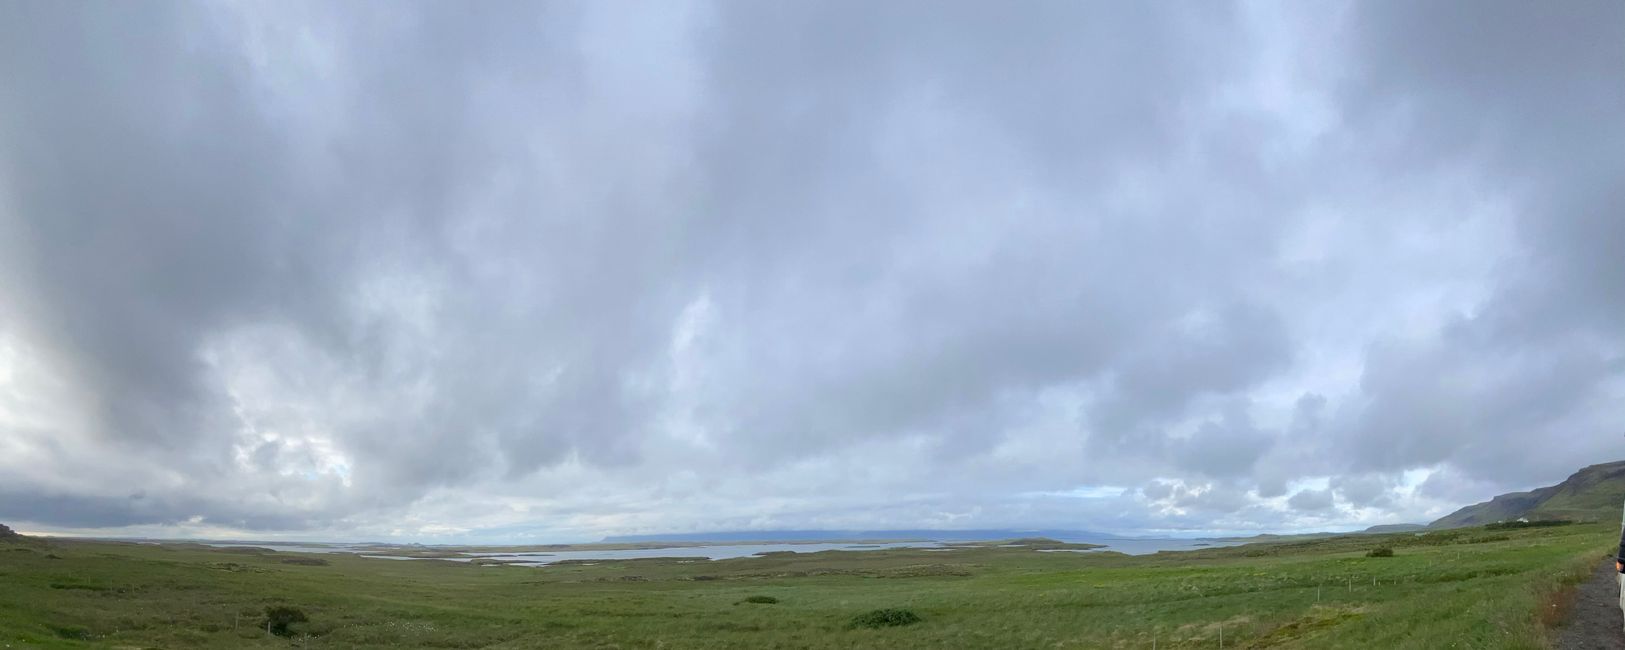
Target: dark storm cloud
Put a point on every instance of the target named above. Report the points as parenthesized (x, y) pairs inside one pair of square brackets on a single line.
[(1311, 500), (924, 232), (394, 268), (165, 191), (1228, 446), (1363, 491), (1531, 98)]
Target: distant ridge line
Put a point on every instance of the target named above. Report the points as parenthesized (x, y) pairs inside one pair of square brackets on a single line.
[(1594, 493), (859, 535)]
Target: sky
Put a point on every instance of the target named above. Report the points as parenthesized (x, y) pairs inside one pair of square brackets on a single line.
[(509, 272)]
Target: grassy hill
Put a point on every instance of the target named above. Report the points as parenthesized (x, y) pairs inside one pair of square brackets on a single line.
[(1591, 494), (1465, 588)]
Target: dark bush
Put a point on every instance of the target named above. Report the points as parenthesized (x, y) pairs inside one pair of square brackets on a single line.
[(1513, 525), (72, 632), (279, 617), (75, 585), (1381, 551), (761, 600), (885, 618), (305, 561)]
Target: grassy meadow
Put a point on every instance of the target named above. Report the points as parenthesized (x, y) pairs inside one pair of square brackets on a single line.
[(1467, 588)]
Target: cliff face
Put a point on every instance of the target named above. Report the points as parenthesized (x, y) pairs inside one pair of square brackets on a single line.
[(1593, 493)]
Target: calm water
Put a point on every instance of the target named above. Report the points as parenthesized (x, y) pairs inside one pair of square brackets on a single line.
[(699, 553), (728, 551), (291, 548), (1147, 546)]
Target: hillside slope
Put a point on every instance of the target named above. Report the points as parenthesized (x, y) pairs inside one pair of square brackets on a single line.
[(1593, 494)]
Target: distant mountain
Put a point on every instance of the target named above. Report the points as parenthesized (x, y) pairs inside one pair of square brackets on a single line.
[(850, 535), (1594, 493), (1394, 528), (1380, 529)]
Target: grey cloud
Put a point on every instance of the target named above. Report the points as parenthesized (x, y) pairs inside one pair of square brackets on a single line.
[(169, 193), (1217, 352), (915, 319), (1157, 490), (1370, 490), (1528, 98), (1226, 447), (1311, 500), (324, 267), (1455, 486), (1272, 486), (1213, 498)]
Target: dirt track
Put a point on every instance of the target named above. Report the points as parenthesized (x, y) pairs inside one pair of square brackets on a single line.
[(1596, 622)]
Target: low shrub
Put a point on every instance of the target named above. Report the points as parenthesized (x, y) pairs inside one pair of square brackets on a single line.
[(761, 600), (885, 618), (278, 618), (75, 585), (1381, 551), (1513, 525), (71, 632)]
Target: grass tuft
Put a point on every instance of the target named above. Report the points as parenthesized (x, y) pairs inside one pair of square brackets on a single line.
[(885, 618)]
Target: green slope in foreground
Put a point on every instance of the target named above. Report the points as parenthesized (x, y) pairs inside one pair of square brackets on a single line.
[(1591, 494), (1466, 588)]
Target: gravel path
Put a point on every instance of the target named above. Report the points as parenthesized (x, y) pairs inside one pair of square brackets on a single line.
[(1595, 623)]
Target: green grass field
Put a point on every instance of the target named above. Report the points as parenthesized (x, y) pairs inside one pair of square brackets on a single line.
[(1470, 588)]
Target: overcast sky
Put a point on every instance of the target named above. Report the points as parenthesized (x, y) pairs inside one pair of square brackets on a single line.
[(508, 272)]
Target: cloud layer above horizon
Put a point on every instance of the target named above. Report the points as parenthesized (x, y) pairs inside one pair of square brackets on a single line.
[(508, 272)]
